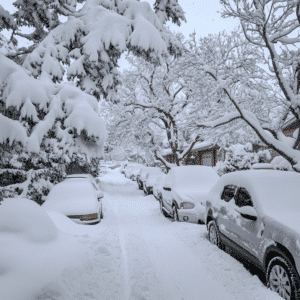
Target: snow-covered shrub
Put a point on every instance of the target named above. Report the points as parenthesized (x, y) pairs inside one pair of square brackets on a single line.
[(280, 163), (29, 175), (240, 157)]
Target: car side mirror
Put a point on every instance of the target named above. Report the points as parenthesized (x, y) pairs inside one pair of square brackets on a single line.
[(167, 189), (248, 212), (99, 194)]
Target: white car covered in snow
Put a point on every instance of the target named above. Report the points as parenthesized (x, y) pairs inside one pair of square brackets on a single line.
[(185, 192), (158, 185), (150, 179), (78, 199), (257, 214), (134, 171), (141, 177)]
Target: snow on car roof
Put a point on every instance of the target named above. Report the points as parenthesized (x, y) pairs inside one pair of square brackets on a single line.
[(143, 172), (191, 176), (72, 196), (276, 190)]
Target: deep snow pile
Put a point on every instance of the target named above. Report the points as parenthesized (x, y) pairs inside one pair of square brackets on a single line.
[(33, 251)]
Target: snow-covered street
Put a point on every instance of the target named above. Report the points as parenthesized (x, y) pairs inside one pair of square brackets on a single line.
[(136, 253)]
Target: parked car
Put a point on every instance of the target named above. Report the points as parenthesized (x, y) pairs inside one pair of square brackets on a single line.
[(127, 171), (78, 199), (150, 178), (158, 185), (185, 190), (256, 213), (123, 167), (134, 171), (141, 177)]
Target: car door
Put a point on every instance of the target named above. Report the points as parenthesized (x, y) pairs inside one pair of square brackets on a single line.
[(167, 192), (246, 233), (222, 215)]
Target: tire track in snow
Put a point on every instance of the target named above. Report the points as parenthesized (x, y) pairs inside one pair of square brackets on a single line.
[(159, 264)]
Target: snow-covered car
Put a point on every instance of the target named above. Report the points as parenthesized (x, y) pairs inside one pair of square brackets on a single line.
[(256, 213), (158, 185), (123, 167), (127, 171), (141, 177), (185, 192), (134, 171), (78, 199), (150, 179)]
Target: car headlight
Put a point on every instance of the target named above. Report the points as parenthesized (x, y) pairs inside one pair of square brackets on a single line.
[(187, 205)]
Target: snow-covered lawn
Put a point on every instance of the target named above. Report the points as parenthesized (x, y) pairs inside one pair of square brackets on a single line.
[(135, 253)]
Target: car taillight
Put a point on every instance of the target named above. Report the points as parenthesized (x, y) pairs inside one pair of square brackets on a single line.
[(89, 217)]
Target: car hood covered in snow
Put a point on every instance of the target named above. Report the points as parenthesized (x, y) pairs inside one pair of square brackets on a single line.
[(190, 195)]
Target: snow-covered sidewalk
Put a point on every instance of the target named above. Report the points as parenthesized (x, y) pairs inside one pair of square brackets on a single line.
[(135, 253)]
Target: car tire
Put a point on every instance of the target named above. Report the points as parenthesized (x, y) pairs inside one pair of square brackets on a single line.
[(175, 214), (282, 278), (214, 234), (140, 186)]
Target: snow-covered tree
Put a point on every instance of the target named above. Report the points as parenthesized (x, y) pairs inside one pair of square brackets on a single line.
[(241, 157), (44, 115), (265, 24), (42, 125), (236, 62), (152, 101), (90, 42)]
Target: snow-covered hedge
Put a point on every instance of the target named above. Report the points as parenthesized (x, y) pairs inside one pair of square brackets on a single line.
[(240, 157)]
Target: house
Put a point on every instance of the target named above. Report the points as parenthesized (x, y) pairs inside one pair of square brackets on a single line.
[(207, 154), (203, 153)]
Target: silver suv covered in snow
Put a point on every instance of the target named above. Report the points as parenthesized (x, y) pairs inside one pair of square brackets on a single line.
[(257, 214)]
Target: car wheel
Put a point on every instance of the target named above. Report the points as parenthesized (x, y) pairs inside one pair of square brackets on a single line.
[(282, 278), (175, 214), (214, 234), (140, 186)]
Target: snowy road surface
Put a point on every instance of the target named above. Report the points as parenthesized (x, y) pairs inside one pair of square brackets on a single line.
[(136, 253)]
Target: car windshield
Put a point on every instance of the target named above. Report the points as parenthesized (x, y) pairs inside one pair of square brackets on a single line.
[(193, 177)]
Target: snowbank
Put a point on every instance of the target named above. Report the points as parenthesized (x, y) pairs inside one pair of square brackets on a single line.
[(24, 218), (33, 251)]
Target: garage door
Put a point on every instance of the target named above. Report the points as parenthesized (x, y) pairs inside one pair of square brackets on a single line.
[(207, 159)]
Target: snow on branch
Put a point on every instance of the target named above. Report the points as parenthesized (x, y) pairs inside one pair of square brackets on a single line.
[(221, 121), (48, 104)]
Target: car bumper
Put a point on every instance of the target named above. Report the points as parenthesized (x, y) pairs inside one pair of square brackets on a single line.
[(190, 216)]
